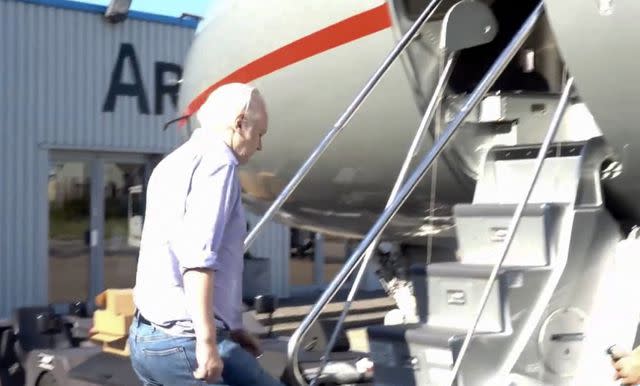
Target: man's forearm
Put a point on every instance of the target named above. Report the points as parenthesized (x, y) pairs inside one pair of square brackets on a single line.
[(198, 288)]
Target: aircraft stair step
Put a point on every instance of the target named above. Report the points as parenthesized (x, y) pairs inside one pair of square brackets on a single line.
[(451, 293), (403, 353), (482, 229)]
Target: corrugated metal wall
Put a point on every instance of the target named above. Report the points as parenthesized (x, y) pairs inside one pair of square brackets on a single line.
[(56, 67), (273, 242), (58, 64)]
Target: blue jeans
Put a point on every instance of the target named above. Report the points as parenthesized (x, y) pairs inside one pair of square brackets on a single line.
[(160, 359)]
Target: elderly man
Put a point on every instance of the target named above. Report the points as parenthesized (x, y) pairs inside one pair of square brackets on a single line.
[(188, 292)]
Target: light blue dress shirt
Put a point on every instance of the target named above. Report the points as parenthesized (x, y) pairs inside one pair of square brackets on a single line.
[(194, 219)]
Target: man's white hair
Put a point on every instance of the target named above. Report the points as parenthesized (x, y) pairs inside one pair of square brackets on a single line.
[(224, 105)]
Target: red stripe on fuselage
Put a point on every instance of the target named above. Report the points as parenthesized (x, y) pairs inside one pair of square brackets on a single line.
[(345, 31)]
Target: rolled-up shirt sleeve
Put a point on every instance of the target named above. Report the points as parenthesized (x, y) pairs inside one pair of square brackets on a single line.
[(212, 194)]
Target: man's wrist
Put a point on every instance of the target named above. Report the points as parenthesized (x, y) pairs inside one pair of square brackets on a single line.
[(207, 334), (207, 338)]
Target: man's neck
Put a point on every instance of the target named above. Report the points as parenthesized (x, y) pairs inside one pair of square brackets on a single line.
[(220, 135)]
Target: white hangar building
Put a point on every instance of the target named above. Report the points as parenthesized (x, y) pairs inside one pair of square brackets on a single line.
[(83, 102)]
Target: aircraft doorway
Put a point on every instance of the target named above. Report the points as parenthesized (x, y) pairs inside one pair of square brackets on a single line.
[(95, 206)]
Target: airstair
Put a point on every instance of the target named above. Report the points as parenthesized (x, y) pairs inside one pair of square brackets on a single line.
[(530, 297)]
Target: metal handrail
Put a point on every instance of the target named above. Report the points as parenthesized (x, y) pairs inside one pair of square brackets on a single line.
[(342, 122), (407, 188), (515, 221), (411, 153)]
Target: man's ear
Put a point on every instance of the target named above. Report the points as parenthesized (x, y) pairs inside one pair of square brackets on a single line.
[(238, 122)]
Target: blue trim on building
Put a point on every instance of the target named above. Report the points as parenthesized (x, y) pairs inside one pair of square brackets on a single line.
[(95, 8)]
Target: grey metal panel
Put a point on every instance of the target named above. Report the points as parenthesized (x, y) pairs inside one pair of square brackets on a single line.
[(8, 213), (273, 242), (56, 66), (41, 231), (96, 262)]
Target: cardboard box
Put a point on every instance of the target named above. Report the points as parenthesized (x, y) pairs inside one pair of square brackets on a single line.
[(111, 322), (113, 344), (118, 301), (107, 322)]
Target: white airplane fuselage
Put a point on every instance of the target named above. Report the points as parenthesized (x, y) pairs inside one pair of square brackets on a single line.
[(310, 59)]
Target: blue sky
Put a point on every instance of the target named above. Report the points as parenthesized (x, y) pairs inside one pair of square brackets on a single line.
[(164, 7)]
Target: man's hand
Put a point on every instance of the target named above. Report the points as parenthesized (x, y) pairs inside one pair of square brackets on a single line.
[(247, 342), (627, 367), (209, 363)]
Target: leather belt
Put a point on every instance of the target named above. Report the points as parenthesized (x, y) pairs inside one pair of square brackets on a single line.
[(219, 322)]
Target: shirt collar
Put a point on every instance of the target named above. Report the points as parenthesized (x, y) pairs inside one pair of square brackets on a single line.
[(211, 137)]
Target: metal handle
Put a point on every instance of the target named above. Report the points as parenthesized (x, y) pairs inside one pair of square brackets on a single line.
[(342, 122), (408, 187), (417, 139)]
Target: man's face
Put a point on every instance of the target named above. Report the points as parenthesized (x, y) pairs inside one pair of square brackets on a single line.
[(250, 128)]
